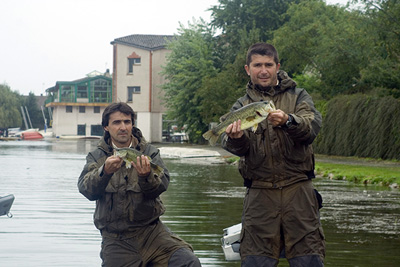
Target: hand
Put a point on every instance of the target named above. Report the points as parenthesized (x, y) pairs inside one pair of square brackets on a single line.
[(112, 164), (278, 117), (233, 130), (142, 165)]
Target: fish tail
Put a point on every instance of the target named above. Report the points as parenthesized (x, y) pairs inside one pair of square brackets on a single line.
[(211, 137)]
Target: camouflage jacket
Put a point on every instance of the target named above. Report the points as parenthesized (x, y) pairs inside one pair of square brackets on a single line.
[(277, 156), (123, 199)]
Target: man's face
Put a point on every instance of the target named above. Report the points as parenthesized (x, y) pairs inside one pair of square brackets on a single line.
[(262, 70), (120, 128)]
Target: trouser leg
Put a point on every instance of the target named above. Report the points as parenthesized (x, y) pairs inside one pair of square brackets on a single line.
[(259, 261), (183, 257), (119, 253), (306, 261)]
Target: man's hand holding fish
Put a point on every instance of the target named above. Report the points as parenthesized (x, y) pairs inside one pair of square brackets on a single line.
[(142, 165), (112, 164), (234, 130), (277, 118)]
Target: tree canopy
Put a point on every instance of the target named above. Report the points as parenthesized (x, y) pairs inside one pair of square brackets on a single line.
[(189, 65), (232, 17), (10, 103), (327, 43)]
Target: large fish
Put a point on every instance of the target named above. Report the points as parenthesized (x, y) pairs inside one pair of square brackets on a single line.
[(129, 154), (250, 115)]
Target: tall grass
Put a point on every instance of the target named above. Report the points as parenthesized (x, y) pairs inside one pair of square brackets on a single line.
[(361, 125)]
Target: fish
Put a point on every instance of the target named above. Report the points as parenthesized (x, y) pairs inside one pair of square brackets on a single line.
[(130, 154), (250, 115)]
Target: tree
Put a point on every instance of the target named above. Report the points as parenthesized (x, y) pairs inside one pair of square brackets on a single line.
[(219, 93), (327, 43), (10, 115), (383, 70), (35, 114), (189, 65), (231, 17)]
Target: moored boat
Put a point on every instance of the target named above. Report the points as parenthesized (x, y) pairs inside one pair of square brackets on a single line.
[(31, 135)]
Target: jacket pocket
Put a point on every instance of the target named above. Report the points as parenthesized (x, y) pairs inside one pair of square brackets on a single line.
[(141, 208), (257, 150), (294, 152), (104, 209)]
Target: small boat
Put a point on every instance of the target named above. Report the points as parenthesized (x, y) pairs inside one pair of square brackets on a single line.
[(5, 205), (231, 242), (31, 135)]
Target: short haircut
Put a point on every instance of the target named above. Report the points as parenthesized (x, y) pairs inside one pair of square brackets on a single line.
[(262, 49), (114, 107)]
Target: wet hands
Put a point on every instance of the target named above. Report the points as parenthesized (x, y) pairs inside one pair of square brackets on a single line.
[(233, 130), (278, 117), (142, 165), (112, 164)]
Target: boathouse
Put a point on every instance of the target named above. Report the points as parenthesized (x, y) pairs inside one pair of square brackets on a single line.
[(77, 106)]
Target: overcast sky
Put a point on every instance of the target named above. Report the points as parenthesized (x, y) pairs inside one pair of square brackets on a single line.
[(45, 41)]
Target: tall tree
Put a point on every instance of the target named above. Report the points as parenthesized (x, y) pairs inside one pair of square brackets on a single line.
[(189, 65), (10, 115), (327, 42), (231, 17), (383, 70), (220, 92)]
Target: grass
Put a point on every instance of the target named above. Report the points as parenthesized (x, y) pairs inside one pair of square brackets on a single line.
[(360, 171), (382, 175)]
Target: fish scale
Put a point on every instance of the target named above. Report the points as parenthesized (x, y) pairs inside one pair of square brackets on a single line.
[(250, 115), (129, 154)]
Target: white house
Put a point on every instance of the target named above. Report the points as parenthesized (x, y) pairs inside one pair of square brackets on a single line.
[(77, 106)]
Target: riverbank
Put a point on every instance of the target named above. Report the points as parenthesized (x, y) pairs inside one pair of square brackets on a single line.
[(352, 169)]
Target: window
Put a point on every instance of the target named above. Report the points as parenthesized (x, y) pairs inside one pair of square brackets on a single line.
[(131, 62), (101, 91), (82, 109), (96, 130), (67, 93), (132, 90), (68, 109), (82, 91), (96, 109), (81, 129)]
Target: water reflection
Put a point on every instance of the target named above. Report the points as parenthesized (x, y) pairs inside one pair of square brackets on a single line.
[(52, 223)]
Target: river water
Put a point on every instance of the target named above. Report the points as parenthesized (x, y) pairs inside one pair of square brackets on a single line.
[(52, 223)]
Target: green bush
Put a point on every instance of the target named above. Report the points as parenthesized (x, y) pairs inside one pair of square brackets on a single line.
[(361, 125)]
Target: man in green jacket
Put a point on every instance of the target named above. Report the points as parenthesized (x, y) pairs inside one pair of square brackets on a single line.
[(281, 207), (128, 204)]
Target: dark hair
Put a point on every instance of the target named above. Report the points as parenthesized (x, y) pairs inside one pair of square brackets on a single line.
[(262, 49), (114, 107)]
